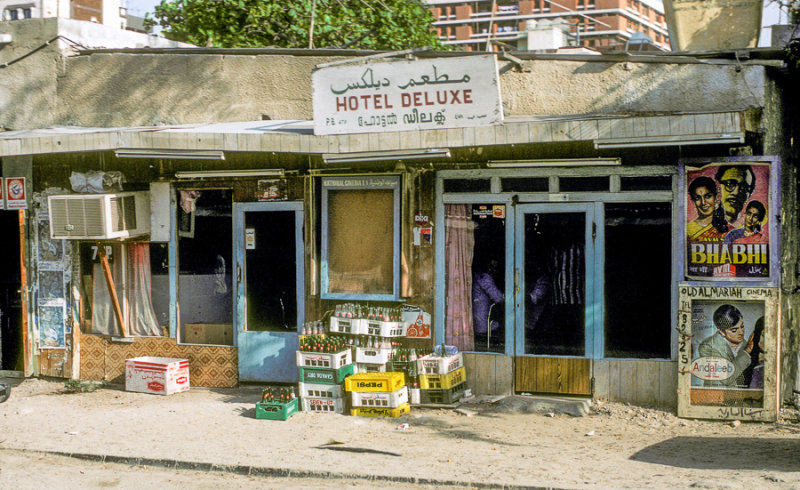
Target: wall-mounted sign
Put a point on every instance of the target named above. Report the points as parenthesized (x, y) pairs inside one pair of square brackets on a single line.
[(404, 95), (272, 190), (729, 220), (727, 352), (15, 193)]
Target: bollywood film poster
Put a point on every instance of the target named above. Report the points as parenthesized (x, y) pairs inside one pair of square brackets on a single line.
[(727, 352), (729, 220)]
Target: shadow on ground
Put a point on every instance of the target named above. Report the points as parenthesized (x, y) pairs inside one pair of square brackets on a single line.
[(724, 453)]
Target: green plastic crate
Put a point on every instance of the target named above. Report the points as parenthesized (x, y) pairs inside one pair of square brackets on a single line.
[(326, 376), (445, 396), (276, 411)]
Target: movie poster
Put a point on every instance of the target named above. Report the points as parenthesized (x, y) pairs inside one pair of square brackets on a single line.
[(728, 220), (727, 351)]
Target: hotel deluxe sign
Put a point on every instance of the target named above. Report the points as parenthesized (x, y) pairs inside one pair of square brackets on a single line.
[(406, 95)]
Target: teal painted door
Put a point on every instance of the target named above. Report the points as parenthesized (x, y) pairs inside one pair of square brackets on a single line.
[(555, 300), (269, 289)]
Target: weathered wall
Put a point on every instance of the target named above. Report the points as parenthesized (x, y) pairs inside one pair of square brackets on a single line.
[(185, 86), (146, 89), (29, 97)]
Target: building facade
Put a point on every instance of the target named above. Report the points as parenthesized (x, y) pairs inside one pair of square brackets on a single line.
[(603, 25), (578, 210)]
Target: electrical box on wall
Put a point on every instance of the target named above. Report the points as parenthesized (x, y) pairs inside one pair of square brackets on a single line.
[(99, 216), (159, 211)]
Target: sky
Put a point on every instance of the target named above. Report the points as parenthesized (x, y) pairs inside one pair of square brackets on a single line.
[(772, 14)]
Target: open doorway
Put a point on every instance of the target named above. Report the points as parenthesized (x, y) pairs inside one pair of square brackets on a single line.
[(11, 347)]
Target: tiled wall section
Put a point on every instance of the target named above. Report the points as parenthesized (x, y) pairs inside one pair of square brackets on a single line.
[(209, 366)]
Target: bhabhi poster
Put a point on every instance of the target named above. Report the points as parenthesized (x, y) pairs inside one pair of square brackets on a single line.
[(728, 220)]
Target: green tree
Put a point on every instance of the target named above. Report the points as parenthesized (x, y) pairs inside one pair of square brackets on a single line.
[(363, 24)]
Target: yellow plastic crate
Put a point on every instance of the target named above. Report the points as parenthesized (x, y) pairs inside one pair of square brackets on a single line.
[(442, 381), (374, 382), (380, 411)]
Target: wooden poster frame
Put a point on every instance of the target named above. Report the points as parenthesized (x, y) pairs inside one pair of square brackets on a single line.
[(770, 299)]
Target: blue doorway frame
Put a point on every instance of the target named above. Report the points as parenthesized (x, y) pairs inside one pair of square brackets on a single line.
[(265, 355)]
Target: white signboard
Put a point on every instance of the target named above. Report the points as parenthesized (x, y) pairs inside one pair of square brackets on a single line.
[(407, 95)]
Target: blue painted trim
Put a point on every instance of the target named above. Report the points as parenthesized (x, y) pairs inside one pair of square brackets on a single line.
[(172, 266), (396, 187), (439, 266), (595, 340)]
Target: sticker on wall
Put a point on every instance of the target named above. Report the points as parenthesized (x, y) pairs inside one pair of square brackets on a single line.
[(250, 239), (421, 218), (15, 193), (499, 211), (272, 190), (419, 322), (728, 220), (51, 325)]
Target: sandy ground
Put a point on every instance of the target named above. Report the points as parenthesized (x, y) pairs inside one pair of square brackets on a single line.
[(616, 446)]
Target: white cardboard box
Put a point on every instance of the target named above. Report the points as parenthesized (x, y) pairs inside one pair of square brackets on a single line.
[(157, 375)]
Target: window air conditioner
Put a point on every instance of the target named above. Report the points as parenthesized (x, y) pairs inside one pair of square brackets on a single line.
[(99, 216)]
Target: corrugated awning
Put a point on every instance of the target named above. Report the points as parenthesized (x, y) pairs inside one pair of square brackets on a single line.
[(605, 131)]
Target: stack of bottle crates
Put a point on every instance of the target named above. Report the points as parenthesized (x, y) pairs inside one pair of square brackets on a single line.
[(371, 332), (277, 403), (442, 377), (377, 394), (324, 362)]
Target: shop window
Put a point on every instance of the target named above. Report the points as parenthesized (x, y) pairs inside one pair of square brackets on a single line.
[(475, 249), (514, 184), (638, 265), (583, 184), (205, 250), (467, 185), (360, 238), (646, 183), (132, 266)]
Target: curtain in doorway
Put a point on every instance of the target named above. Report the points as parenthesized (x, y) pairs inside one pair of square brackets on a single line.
[(142, 319), (459, 247)]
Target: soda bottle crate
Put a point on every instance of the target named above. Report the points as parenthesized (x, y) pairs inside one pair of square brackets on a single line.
[(380, 399), (318, 390), (433, 364), (409, 368), (353, 326), (324, 359), (374, 382), (380, 412), (326, 376), (446, 396), (373, 355), (323, 405), (442, 381), (381, 328), (362, 367), (276, 410)]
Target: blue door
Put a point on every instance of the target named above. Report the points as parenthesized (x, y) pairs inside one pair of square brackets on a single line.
[(268, 288), (556, 308)]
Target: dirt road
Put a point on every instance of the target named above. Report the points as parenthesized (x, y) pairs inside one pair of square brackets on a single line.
[(616, 446)]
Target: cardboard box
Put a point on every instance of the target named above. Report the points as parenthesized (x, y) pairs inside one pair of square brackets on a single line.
[(209, 333), (157, 375)]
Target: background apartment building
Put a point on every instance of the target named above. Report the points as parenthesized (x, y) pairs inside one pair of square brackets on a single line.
[(111, 13), (544, 24)]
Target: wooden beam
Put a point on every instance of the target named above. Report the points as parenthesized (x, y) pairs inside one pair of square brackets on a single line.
[(101, 251), (27, 350)]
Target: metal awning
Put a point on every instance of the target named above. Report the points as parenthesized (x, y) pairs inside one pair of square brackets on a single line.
[(605, 131)]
